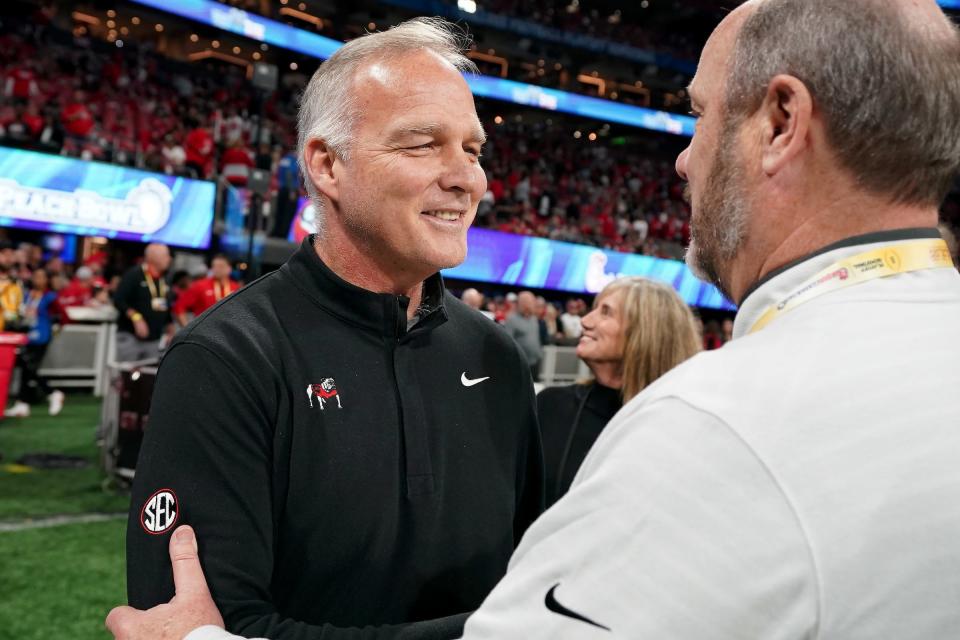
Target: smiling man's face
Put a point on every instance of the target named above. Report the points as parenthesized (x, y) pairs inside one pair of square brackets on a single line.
[(411, 186)]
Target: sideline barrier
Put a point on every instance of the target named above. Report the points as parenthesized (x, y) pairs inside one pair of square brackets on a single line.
[(79, 353), (561, 366)]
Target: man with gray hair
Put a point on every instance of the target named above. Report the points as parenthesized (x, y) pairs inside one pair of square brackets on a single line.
[(357, 449)]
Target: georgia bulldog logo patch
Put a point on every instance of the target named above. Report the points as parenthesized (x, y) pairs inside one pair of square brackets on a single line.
[(325, 392), (160, 512)]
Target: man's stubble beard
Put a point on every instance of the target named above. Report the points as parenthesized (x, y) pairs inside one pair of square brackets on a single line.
[(720, 228)]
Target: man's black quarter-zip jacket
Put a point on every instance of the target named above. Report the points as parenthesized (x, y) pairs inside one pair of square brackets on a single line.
[(341, 471)]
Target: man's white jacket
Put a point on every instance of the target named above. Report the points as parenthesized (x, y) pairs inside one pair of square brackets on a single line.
[(801, 482)]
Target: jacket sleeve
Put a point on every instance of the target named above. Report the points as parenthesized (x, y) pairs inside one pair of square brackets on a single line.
[(206, 461)]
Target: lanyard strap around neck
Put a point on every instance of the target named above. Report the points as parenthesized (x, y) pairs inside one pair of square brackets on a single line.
[(152, 284), (890, 260)]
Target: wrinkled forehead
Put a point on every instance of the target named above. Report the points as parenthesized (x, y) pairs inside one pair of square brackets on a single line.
[(406, 73), (411, 87)]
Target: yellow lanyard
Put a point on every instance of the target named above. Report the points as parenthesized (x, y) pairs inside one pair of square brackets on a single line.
[(152, 285), (916, 255)]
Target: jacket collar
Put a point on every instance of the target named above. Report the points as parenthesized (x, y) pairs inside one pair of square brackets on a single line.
[(383, 313), (781, 281)]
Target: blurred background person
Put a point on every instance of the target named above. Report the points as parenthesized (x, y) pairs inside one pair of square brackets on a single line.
[(142, 300), (77, 293), (552, 330), (571, 319), (474, 299), (38, 320), (11, 299), (637, 331), (206, 292), (523, 325)]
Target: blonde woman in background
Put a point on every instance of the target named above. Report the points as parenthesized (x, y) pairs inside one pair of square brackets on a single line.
[(637, 331)]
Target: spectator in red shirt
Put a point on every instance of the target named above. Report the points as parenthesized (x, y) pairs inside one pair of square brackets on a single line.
[(33, 121), (21, 84), (206, 292), (236, 163), (78, 292), (199, 148), (77, 120)]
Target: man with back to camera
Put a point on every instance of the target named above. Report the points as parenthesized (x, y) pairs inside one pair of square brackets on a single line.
[(803, 481), (357, 450)]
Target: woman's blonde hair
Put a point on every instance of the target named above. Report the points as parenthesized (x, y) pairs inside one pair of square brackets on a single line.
[(659, 331)]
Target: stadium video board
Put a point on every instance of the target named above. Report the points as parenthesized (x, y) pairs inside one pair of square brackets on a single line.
[(65, 195), (256, 27), (540, 263)]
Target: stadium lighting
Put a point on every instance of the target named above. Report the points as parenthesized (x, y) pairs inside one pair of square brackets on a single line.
[(467, 5)]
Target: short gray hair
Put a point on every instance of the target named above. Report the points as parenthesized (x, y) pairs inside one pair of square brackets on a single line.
[(889, 90), (328, 109)]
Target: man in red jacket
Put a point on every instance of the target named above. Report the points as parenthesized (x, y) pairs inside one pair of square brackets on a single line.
[(206, 292)]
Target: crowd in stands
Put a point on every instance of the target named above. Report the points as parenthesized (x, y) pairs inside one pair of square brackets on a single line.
[(544, 182), (89, 99), (79, 96), (586, 19)]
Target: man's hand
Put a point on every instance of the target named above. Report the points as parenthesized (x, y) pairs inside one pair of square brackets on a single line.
[(141, 328), (191, 607)]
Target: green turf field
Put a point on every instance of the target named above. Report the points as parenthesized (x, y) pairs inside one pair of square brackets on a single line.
[(59, 581)]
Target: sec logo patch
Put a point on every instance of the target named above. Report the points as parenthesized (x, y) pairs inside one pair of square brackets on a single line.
[(160, 512)]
